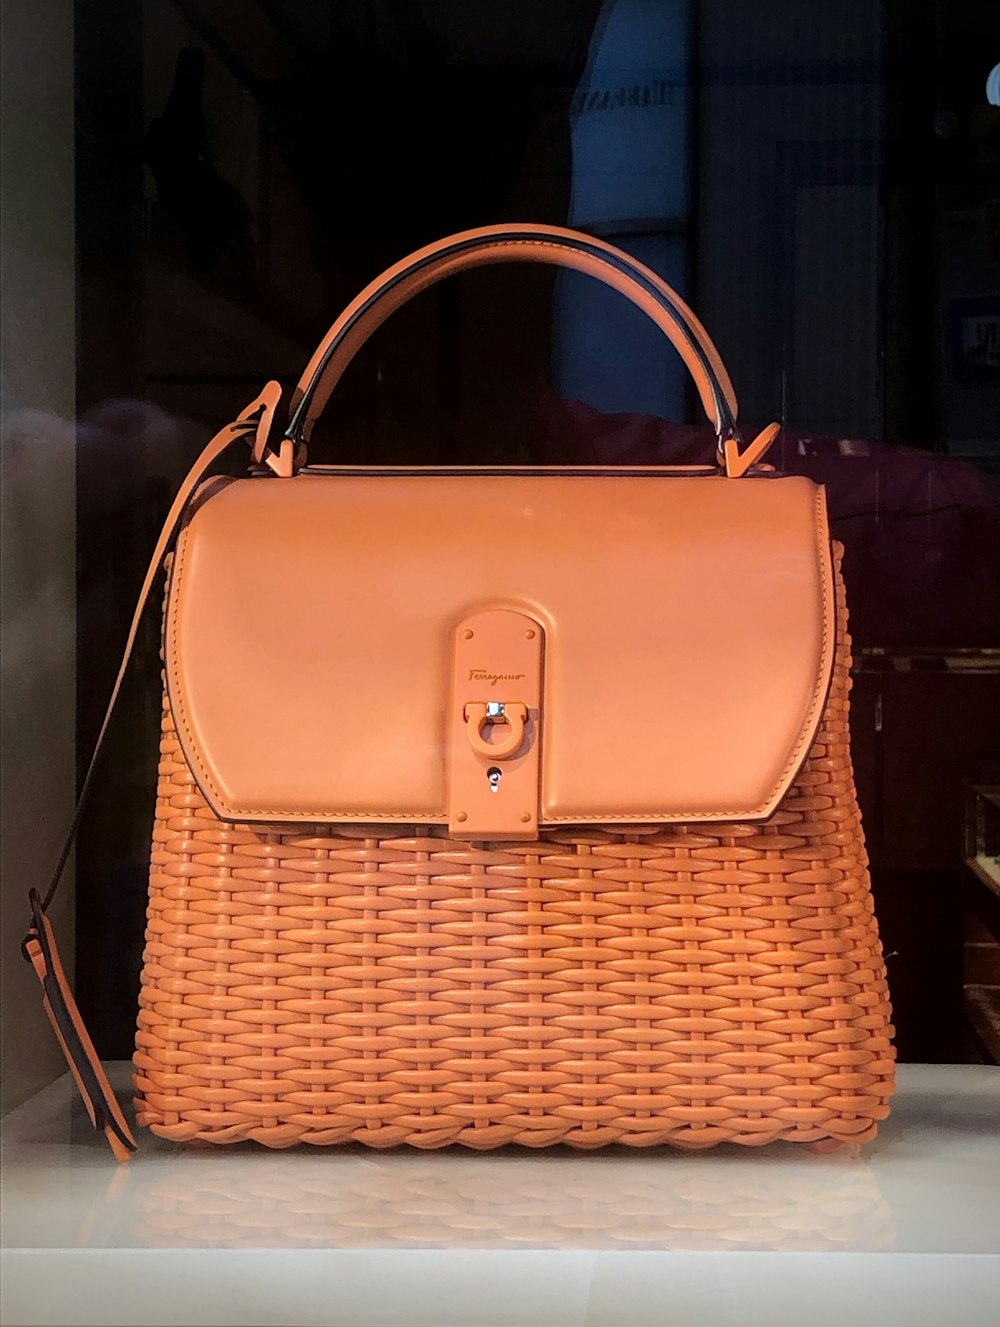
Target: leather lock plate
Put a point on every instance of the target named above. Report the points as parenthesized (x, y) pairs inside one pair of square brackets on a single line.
[(495, 726)]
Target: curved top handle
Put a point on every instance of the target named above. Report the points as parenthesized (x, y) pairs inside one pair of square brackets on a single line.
[(515, 243)]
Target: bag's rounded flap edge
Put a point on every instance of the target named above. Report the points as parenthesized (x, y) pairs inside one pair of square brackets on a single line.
[(748, 774), (310, 683)]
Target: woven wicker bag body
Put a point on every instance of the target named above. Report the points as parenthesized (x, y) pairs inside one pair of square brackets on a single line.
[(500, 806), (687, 985)]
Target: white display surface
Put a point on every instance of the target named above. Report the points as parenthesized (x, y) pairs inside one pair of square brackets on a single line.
[(907, 1231)]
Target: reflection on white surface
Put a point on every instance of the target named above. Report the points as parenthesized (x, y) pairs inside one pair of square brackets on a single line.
[(931, 1182), (342, 1237), (418, 1202)]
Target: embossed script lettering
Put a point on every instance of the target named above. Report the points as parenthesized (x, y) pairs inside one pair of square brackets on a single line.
[(484, 675)]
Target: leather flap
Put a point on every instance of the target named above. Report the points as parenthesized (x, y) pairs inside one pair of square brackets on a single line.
[(688, 627)]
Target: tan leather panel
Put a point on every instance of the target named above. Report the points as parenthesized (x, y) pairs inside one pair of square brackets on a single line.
[(398, 284), (688, 639)]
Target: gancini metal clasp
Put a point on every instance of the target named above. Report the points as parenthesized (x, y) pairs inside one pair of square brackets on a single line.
[(494, 726)]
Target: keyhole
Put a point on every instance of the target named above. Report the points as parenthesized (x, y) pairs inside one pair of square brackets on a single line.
[(494, 775)]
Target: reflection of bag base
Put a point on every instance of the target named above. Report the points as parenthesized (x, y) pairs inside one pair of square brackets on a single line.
[(658, 985), (505, 1202)]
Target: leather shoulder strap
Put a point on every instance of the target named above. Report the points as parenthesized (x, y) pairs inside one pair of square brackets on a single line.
[(39, 947)]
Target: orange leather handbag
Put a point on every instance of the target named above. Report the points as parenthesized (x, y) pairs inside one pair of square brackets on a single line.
[(501, 806)]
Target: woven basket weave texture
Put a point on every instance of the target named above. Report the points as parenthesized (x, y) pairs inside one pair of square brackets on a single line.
[(683, 985)]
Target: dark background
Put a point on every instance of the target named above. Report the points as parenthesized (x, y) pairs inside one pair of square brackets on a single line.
[(821, 181)]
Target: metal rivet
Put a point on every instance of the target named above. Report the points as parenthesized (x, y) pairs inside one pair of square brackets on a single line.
[(462, 816), (529, 635), (467, 635), (525, 816)]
